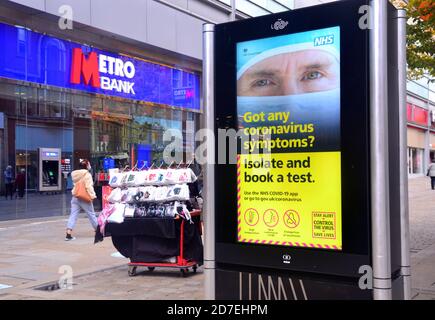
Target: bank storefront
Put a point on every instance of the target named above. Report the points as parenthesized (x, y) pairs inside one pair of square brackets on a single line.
[(62, 101)]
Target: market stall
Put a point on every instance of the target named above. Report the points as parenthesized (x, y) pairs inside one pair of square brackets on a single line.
[(153, 218)]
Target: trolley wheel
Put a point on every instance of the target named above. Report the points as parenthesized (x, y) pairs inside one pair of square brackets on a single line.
[(194, 268), (183, 273), (151, 268), (132, 271)]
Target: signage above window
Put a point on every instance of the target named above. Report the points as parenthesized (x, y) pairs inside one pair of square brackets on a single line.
[(51, 154), (35, 57)]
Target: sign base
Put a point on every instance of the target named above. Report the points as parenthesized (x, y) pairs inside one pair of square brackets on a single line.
[(243, 285)]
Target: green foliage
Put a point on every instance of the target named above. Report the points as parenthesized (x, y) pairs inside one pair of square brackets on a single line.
[(421, 39)]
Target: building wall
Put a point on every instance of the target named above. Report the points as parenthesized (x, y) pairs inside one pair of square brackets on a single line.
[(164, 30), (421, 133), (174, 25), (307, 3)]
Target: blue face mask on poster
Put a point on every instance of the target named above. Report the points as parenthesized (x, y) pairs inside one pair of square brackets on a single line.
[(321, 108)]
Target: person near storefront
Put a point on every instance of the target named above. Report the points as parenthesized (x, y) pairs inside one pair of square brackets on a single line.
[(431, 173), (9, 178), (81, 175), (21, 183)]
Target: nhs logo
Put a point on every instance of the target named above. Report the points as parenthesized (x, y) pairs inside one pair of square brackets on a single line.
[(322, 41)]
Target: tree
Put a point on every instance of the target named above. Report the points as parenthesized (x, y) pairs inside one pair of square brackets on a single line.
[(421, 39)]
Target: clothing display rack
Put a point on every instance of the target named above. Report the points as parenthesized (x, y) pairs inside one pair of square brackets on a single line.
[(153, 217)]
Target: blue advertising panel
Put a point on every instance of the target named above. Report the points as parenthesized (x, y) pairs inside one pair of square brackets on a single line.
[(31, 56), (144, 155), (108, 163)]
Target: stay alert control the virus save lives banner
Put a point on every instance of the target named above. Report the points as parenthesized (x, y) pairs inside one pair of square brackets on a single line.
[(289, 168)]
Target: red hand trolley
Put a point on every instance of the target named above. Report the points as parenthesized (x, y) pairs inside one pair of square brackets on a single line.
[(181, 262)]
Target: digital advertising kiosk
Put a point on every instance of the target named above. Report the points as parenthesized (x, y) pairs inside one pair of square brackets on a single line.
[(309, 206)]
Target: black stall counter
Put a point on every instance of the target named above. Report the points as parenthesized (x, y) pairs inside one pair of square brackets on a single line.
[(154, 240)]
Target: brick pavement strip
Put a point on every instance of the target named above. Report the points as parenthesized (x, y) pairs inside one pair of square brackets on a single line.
[(32, 251)]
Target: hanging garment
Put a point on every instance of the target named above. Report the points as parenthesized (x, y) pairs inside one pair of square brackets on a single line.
[(148, 194), (115, 195), (156, 177), (116, 180), (141, 178), (170, 176), (131, 178), (178, 192), (104, 216), (185, 176), (118, 215), (161, 193), (129, 211)]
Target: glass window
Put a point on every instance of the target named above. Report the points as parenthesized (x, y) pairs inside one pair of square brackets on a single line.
[(250, 8), (116, 106), (21, 43), (82, 126), (270, 5), (275, 6), (418, 88), (288, 3), (415, 160)]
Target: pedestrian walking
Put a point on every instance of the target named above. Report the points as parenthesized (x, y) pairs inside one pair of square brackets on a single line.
[(20, 183), (431, 173), (9, 177), (83, 194)]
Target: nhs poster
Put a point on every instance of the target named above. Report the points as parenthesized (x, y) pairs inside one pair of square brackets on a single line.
[(289, 166)]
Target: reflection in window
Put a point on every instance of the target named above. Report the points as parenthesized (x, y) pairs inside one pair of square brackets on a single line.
[(21, 44)]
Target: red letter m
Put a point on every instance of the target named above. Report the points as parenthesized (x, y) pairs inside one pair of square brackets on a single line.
[(86, 67)]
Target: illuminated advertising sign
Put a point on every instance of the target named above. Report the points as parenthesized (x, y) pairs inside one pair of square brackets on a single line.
[(183, 96), (292, 95), (96, 70), (35, 57), (51, 154), (289, 180), (108, 163)]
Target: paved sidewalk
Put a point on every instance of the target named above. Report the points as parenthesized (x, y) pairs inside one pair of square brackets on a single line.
[(422, 235), (33, 250)]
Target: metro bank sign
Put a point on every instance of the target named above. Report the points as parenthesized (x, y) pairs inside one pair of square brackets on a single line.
[(34, 57), (96, 70)]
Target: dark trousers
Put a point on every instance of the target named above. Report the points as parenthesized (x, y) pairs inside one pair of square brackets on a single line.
[(432, 181), (9, 189), (21, 192)]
